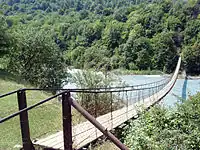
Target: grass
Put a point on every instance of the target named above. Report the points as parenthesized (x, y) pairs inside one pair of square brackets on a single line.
[(43, 120)]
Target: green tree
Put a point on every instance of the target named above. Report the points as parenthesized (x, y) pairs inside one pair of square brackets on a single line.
[(37, 59), (112, 36), (77, 57), (92, 31), (172, 23), (191, 30), (96, 57), (138, 49), (5, 38), (164, 50), (95, 103), (191, 57), (139, 52), (120, 15)]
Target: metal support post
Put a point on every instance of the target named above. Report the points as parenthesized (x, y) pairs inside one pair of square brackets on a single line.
[(67, 121), (24, 123)]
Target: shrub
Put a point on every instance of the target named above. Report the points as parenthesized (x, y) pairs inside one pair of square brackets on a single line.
[(96, 103), (162, 128)]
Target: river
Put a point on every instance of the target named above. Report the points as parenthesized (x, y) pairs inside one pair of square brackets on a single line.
[(181, 90)]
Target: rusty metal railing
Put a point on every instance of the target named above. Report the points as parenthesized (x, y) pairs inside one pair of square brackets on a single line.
[(128, 95)]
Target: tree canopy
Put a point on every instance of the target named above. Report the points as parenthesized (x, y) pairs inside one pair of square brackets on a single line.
[(128, 34), (37, 59), (5, 39)]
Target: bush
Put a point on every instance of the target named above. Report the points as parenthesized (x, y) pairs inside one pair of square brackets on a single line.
[(96, 104), (161, 128)]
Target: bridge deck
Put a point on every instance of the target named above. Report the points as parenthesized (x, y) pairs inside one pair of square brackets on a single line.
[(85, 132)]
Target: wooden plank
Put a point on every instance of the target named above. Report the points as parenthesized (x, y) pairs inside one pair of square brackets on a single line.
[(85, 133)]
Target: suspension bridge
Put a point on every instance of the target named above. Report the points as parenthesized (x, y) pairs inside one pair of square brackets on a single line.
[(124, 103)]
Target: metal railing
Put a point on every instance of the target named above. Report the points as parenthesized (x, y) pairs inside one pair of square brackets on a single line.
[(118, 98)]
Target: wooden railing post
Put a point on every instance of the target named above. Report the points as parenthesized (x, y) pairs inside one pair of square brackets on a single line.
[(67, 121), (24, 123)]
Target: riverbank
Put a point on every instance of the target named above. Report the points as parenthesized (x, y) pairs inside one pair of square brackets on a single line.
[(137, 72), (152, 73)]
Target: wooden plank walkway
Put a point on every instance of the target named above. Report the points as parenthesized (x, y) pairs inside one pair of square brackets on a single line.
[(85, 132)]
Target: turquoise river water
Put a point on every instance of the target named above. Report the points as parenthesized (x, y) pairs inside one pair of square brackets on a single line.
[(181, 90)]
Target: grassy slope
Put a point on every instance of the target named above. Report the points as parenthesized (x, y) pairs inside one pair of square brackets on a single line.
[(45, 119)]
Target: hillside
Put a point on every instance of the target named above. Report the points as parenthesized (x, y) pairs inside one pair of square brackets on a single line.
[(101, 34), (119, 34), (98, 6)]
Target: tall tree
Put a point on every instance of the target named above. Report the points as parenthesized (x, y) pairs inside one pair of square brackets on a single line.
[(37, 59), (191, 57), (164, 51), (5, 39)]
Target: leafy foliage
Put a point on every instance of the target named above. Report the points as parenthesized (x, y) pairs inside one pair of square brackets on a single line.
[(37, 59), (97, 103), (5, 39), (191, 55), (162, 128), (128, 34)]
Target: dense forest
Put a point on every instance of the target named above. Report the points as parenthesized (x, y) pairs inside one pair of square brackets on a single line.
[(39, 38)]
